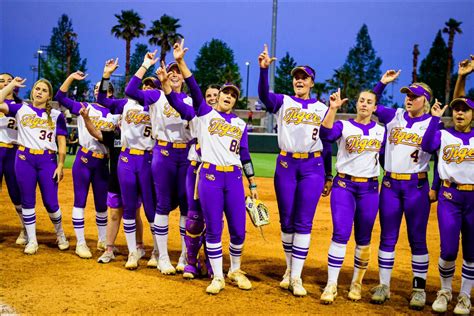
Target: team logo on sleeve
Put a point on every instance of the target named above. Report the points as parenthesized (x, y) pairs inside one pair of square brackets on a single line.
[(297, 116), (356, 143), (454, 153), (169, 111), (137, 117), (219, 126), (32, 121), (398, 136)]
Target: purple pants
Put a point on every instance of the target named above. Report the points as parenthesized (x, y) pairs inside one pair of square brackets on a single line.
[(219, 193), (409, 197), (353, 202), (298, 187), (193, 205), (86, 170), (32, 169), (7, 168), (134, 174), (455, 216), (169, 168)]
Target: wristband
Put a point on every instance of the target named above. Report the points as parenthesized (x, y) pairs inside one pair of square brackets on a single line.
[(252, 186), (146, 64)]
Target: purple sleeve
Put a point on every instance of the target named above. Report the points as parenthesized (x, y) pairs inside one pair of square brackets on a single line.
[(143, 97), (331, 134), (385, 114), (272, 101), (378, 89), (432, 138), (61, 128), (244, 147), (187, 112), (114, 105), (13, 108), (195, 91), (436, 180), (327, 158), (71, 105)]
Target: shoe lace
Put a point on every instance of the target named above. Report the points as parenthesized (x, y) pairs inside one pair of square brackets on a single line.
[(464, 301), (443, 294), (380, 290), (418, 295)]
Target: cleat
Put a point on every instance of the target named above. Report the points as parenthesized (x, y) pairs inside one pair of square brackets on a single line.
[(101, 245), (329, 294), (381, 293), (83, 251), (190, 272), (440, 305), (106, 257), (22, 238), (141, 253), (62, 242), (153, 262), (285, 282), (418, 299), (463, 307), (31, 248), (165, 266), (355, 292), (238, 276), (132, 262), (217, 285), (296, 287), (181, 263)]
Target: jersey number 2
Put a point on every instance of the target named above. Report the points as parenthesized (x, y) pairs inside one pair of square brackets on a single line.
[(11, 124)]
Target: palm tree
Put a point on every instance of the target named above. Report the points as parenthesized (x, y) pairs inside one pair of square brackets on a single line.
[(319, 89), (70, 38), (452, 27), (163, 33), (416, 52), (129, 27)]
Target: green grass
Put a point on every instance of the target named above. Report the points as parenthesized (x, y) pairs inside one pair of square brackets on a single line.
[(69, 161)]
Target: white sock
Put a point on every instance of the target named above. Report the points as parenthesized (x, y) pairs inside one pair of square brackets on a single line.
[(287, 241), (78, 223), (20, 215), (152, 229), (101, 221), (56, 219), (161, 235), (182, 232), (386, 261), (235, 256), (446, 272), (336, 256), (467, 278), (361, 262), (29, 218), (419, 265), (299, 252), (214, 251), (130, 229)]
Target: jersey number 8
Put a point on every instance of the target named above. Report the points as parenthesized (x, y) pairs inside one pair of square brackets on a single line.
[(234, 146)]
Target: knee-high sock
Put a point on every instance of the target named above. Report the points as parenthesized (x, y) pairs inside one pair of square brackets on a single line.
[(419, 265), (161, 235), (182, 233), (214, 253), (336, 256), (130, 228), (29, 218), (20, 215), (386, 261), (299, 252), (101, 221), (78, 223), (361, 262), (467, 278), (56, 219), (446, 272), (287, 241), (235, 256)]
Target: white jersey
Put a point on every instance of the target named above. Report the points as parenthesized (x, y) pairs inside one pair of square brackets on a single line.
[(403, 153), (136, 127), (167, 123), (456, 158), (35, 131), (298, 125), (220, 139), (103, 120), (359, 148), (193, 153), (8, 128)]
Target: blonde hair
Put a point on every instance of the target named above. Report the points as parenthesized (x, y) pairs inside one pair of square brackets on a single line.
[(48, 105), (427, 106)]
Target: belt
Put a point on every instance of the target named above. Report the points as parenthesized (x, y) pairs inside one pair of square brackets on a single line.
[(356, 179), (459, 187), (301, 155), (406, 176), (93, 153), (198, 146), (194, 163), (35, 151), (207, 165), (133, 151), (5, 145), (174, 145)]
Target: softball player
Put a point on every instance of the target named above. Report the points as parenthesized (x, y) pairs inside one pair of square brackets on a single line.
[(90, 167), (36, 162), (170, 163), (354, 196), (455, 148), (299, 175), (405, 188), (8, 147), (223, 139)]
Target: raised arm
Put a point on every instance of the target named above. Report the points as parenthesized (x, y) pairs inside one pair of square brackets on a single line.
[(115, 105), (272, 101), (327, 132), (432, 139), (247, 164), (133, 88), (61, 95), (97, 134), (385, 114), (17, 82), (465, 68)]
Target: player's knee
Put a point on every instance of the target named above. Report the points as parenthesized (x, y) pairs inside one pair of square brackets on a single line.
[(448, 255), (418, 248), (115, 216), (237, 239), (340, 238), (303, 228), (212, 237), (194, 226)]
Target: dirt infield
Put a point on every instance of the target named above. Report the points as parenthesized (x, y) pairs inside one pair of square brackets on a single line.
[(54, 282)]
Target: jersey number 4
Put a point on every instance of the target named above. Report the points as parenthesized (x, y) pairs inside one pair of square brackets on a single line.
[(414, 155)]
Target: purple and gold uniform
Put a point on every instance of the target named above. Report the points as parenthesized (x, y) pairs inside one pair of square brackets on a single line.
[(354, 196), (455, 200), (300, 171)]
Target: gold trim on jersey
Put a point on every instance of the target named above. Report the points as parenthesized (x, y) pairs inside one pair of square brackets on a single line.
[(174, 145), (208, 165), (133, 151), (356, 179), (301, 155)]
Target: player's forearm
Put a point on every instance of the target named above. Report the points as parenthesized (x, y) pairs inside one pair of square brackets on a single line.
[(195, 91), (183, 67), (432, 139), (459, 89), (61, 150), (4, 107), (92, 129), (272, 101), (6, 91), (329, 119), (66, 84), (141, 71), (185, 111)]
